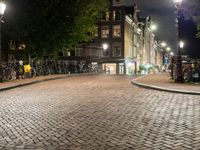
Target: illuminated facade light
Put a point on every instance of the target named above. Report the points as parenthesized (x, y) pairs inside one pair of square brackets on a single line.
[(178, 1), (181, 44), (105, 46), (2, 8)]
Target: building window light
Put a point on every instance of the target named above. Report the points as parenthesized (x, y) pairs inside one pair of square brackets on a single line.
[(105, 31), (116, 31), (116, 15)]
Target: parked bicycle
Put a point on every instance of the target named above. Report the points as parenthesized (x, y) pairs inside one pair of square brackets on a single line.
[(25, 70), (7, 71), (192, 73)]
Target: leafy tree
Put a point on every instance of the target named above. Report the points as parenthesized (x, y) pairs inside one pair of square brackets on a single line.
[(191, 9), (198, 30), (48, 26)]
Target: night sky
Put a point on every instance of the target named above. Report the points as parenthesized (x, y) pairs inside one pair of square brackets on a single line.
[(163, 14)]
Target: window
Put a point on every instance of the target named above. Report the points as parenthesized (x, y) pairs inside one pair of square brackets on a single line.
[(116, 31), (105, 31), (116, 15), (105, 53), (105, 16), (116, 49)]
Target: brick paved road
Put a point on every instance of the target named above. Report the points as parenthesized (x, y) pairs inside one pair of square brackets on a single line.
[(97, 113)]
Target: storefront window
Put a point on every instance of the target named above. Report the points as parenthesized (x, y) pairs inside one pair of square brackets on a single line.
[(130, 68), (109, 68)]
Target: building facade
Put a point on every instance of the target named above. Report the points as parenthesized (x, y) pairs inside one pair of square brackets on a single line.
[(129, 41), (118, 29)]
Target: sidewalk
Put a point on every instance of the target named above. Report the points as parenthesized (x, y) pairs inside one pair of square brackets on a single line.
[(163, 82), (23, 82)]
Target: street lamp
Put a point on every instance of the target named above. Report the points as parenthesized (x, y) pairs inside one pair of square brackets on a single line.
[(181, 44), (105, 49), (171, 53), (153, 27), (178, 1), (168, 49), (163, 44), (2, 10), (105, 46), (179, 74)]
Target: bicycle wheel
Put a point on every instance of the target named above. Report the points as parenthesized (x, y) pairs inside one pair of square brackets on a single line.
[(13, 74), (6, 74), (33, 73), (187, 75), (195, 75), (38, 72), (27, 74)]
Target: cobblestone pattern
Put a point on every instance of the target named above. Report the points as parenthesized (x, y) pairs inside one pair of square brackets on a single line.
[(97, 113)]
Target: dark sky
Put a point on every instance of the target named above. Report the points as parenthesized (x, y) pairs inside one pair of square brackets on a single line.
[(163, 14)]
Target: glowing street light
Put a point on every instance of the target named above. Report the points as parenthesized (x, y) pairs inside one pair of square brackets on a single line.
[(181, 44), (171, 53), (178, 1), (163, 44), (168, 49), (105, 46), (2, 8), (153, 27)]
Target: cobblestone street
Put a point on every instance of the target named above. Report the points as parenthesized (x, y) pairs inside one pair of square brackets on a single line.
[(97, 112)]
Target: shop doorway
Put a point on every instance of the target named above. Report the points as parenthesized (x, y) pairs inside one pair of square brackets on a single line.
[(121, 68)]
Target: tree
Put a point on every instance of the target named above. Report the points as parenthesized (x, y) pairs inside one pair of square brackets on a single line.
[(50, 25), (198, 30), (191, 9)]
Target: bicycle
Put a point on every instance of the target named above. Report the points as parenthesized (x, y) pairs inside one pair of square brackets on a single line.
[(192, 74), (7, 71), (25, 70)]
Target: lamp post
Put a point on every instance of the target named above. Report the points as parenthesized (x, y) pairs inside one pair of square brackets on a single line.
[(179, 74), (2, 10)]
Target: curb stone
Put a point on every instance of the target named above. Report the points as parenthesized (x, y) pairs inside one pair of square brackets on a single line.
[(171, 90), (44, 80)]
